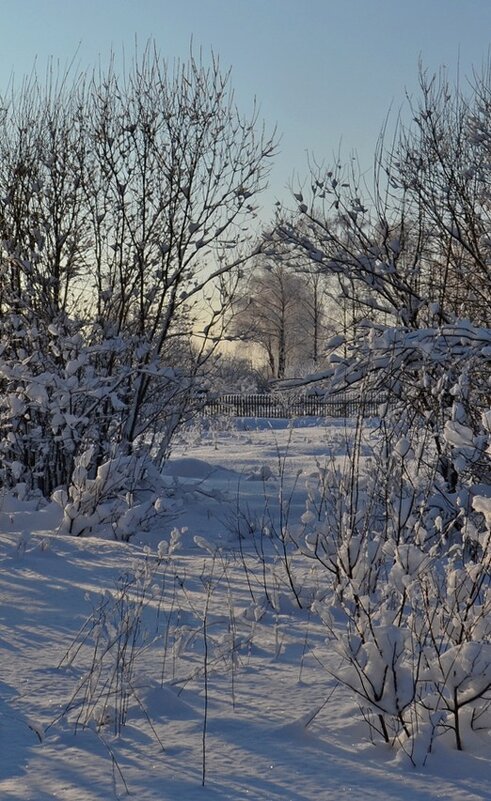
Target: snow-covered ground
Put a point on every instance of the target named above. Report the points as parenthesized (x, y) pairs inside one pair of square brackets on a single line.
[(210, 681)]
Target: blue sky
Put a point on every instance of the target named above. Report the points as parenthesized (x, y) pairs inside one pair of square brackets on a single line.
[(324, 71)]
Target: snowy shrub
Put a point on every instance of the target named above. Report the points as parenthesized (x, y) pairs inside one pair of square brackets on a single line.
[(122, 497), (64, 418), (410, 606), (404, 536), (110, 215), (404, 539)]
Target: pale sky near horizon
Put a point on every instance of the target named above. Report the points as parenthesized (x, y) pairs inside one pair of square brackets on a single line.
[(325, 72)]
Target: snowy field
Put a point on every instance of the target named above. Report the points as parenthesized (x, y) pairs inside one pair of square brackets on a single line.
[(187, 671)]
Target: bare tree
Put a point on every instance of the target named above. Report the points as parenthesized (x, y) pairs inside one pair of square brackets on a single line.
[(412, 253), (125, 218), (280, 311), (442, 162)]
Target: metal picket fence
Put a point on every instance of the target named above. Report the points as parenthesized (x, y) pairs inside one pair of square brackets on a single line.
[(275, 406)]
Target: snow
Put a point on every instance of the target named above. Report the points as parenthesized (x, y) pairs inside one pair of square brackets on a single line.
[(253, 682)]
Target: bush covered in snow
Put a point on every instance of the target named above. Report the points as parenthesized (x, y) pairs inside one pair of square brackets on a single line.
[(406, 542), (123, 214), (410, 605)]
